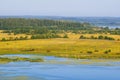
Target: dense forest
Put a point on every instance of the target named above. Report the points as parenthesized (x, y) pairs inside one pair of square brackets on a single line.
[(37, 26), (45, 26)]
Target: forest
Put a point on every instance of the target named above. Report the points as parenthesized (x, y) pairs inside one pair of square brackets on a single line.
[(44, 26)]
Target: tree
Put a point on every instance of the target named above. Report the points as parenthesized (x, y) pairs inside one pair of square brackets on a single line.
[(21, 38), (82, 37), (3, 39), (65, 36), (100, 37)]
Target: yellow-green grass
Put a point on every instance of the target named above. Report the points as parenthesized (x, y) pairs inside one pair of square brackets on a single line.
[(11, 35), (70, 35), (77, 36), (74, 48), (71, 47)]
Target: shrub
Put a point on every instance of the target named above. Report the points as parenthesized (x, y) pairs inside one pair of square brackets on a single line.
[(16, 38), (118, 39), (4, 39), (89, 52), (48, 51), (65, 36), (92, 37), (100, 37), (82, 37), (107, 51), (117, 53), (96, 50)]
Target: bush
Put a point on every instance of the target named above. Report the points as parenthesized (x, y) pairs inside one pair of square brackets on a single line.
[(100, 37), (89, 52), (82, 37), (45, 36), (65, 36), (92, 37), (118, 39), (107, 51), (3, 39), (96, 50), (48, 51), (108, 38)]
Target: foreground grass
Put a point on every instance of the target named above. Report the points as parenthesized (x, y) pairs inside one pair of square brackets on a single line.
[(72, 48)]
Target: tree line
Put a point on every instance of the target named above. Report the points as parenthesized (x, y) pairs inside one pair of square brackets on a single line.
[(45, 26), (99, 37), (38, 36), (39, 26)]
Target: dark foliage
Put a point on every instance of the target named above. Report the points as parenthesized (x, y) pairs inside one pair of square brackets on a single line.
[(44, 26), (38, 26)]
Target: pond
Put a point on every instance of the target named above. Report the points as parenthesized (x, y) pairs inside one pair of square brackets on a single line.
[(54, 68)]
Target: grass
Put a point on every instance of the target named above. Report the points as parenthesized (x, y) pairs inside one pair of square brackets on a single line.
[(11, 35), (64, 48), (77, 36), (72, 47)]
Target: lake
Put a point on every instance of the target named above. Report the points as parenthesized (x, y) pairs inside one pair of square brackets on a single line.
[(54, 68)]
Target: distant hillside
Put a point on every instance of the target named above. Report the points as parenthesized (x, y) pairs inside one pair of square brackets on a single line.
[(46, 26), (111, 22), (22, 25)]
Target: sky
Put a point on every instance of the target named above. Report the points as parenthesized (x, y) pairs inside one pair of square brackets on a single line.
[(74, 8)]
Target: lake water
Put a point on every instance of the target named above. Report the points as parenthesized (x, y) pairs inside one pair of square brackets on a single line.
[(54, 68)]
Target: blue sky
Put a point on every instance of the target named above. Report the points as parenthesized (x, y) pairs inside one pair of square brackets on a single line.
[(74, 8)]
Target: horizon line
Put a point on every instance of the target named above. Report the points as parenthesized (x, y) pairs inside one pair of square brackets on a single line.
[(57, 16)]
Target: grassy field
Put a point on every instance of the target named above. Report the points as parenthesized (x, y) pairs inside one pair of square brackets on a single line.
[(11, 35), (64, 48), (72, 47), (76, 36), (70, 35)]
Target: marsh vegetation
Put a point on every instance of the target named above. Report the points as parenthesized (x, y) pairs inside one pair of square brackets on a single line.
[(19, 59)]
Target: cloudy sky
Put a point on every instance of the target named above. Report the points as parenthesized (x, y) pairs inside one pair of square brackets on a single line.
[(101, 8)]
